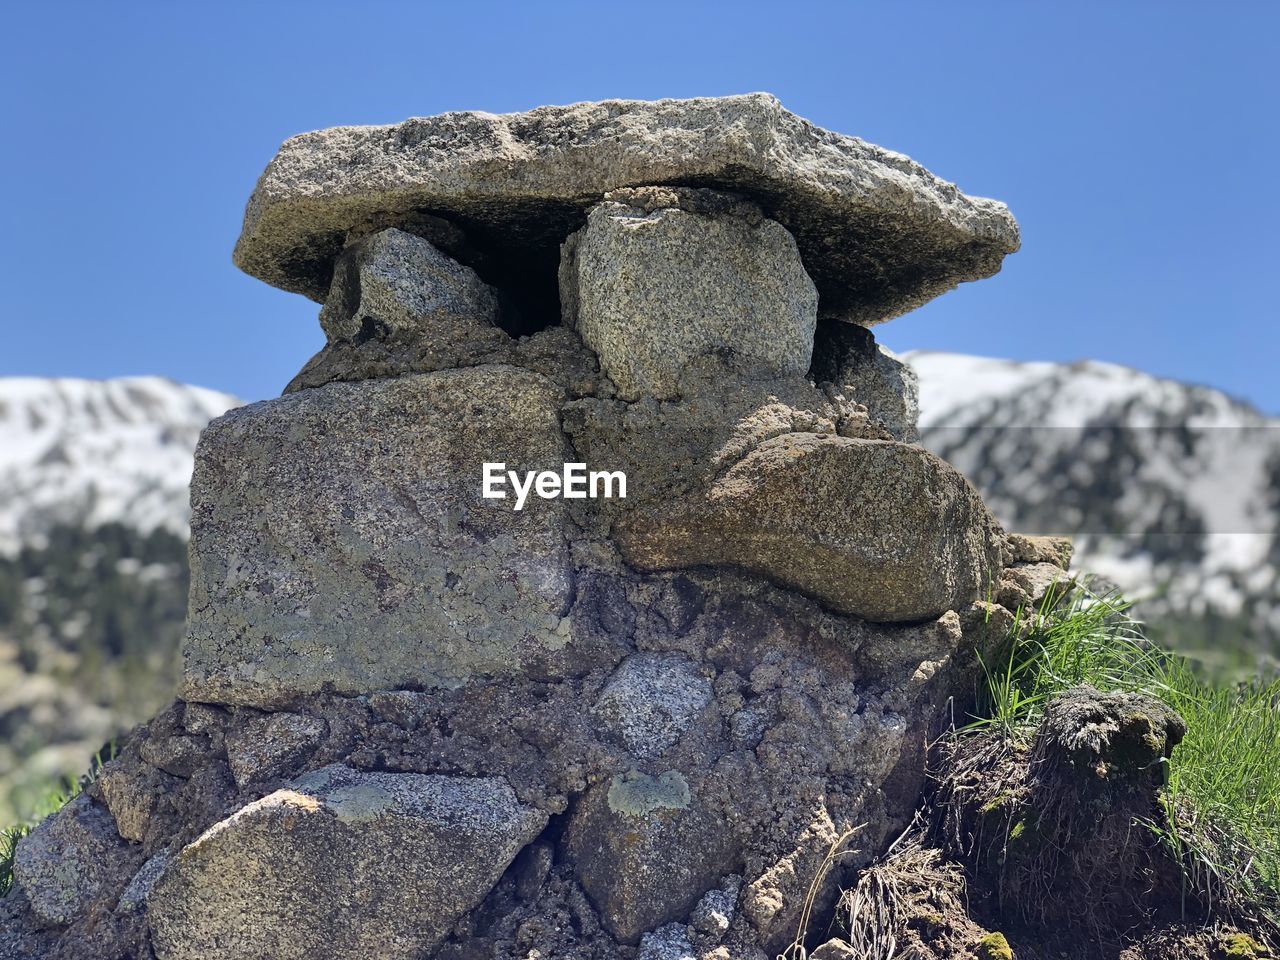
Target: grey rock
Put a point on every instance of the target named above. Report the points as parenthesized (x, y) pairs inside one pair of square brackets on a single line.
[(1033, 586), (393, 284), (139, 889), (714, 913), (267, 745), (556, 353), (72, 862), (131, 789), (881, 530), (651, 700), (370, 561), (669, 942), (878, 233), (1055, 550), (675, 451), (646, 849), (834, 950), (668, 294), (848, 356), (341, 864)]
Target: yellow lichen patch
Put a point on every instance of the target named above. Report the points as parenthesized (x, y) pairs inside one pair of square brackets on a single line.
[(994, 946), (1241, 946)]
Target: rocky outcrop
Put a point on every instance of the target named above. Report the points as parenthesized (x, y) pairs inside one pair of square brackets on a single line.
[(428, 714)]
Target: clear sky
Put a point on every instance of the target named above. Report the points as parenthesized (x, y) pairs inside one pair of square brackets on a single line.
[(1136, 142)]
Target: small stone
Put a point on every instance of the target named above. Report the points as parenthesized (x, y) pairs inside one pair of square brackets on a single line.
[(670, 942), (403, 856), (175, 754), (714, 913), (135, 894), (267, 745), (834, 950), (646, 851), (73, 861), (395, 285), (652, 699), (847, 355), (131, 790), (1054, 550), (669, 298)]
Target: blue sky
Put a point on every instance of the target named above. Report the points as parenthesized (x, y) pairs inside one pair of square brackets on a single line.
[(1135, 142)]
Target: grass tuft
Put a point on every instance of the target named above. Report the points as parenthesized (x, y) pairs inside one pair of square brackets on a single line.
[(1223, 794)]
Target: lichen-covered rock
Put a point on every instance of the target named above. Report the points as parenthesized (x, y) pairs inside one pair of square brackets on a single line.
[(646, 850), (72, 862), (340, 540), (880, 530), (341, 864), (651, 700), (671, 288), (878, 233), (267, 745), (847, 355)]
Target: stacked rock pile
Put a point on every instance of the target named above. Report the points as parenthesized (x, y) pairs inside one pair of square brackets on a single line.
[(418, 722)]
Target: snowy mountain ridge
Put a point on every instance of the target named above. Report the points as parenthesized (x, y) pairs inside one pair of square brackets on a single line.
[(88, 452), (1170, 489)]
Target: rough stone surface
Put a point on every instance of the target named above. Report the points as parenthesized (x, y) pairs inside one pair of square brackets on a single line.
[(341, 864), (393, 284), (667, 943), (557, 354), (646, 850), (666, 294), (651, 700), (267, 745), (1055, 550), (847, 355), (880, 530), (72, 860), (878, 233), (340, 540)]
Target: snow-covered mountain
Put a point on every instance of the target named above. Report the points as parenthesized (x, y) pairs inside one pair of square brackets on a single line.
[(1170, 489), (87, 452)]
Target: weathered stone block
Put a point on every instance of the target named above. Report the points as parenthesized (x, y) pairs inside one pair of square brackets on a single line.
[(645, 850), (268, 744), (670, 295), (73, 860), (879, 233), (340, 540), (881, 530), (341, 864)]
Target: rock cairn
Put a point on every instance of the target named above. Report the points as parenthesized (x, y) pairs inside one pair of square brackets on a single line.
[(417, 722)]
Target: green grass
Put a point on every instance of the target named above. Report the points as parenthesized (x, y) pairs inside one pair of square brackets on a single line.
[(1223, 793), (57, 797)]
